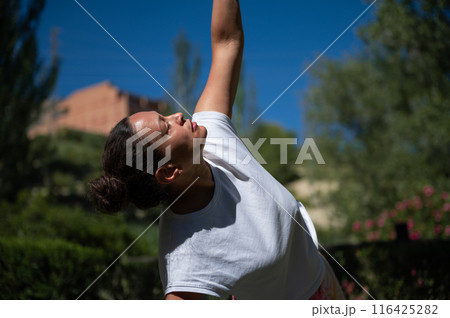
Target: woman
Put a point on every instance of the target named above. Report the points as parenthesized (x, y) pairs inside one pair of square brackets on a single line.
[(231, 229)]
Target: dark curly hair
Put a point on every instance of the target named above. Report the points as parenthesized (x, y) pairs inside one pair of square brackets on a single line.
[(122, 184)]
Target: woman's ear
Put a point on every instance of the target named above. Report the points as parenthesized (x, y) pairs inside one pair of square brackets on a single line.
[(167, 174)]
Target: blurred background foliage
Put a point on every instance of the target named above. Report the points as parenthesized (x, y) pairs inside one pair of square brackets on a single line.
[(393, 270), (380, 118), (55, 251), (25, 82)]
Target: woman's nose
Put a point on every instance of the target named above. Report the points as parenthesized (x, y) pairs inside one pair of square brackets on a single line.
[(178, 117)]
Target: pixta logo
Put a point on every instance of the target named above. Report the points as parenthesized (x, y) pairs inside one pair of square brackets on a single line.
[(140, 145), (226, 149)]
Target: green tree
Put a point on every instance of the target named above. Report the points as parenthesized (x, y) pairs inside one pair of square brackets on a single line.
[(381, 117), (270, 151), (245, 104), (186, 74), (25, 82)]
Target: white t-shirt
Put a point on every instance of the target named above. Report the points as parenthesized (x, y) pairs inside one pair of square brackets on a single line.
[(253, 240)]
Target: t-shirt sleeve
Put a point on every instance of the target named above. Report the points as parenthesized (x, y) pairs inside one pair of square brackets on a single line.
[(222, 142)]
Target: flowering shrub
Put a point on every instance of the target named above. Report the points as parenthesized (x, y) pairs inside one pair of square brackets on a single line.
[(426, 215), (393, 269)]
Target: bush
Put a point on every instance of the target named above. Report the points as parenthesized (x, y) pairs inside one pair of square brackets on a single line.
[(47, 269), (57, 269), (34, 216), (50, 251), (394, 270), (426, 215)]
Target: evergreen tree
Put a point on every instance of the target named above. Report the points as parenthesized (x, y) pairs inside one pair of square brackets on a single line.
[(245, 104), (25, 82), (186, 74)]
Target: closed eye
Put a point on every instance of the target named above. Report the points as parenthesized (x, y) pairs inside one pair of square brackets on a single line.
[(163, 121)]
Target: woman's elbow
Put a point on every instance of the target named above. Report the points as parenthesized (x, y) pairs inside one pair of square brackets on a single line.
[(233, 43), (229, 39)]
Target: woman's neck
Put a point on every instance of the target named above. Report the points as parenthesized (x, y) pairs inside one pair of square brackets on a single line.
[(194, 190)]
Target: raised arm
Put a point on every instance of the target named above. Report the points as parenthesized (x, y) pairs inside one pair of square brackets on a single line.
[(227, 44)]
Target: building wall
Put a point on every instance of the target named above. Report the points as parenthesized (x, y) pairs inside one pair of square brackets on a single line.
[(95, 109)]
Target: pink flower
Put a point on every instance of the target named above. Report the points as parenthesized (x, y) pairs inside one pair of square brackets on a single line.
[(376, 235), (444, 195), (393, 213), (400, 206), (428, 190), (372, 236), (437, 229), (447, 230), (344, 284), (415, 235), (446, 207), (413, 272), (369, 224), (380, 222), (392, 235), (417, 203), (356, 226), (350, 287), (410, 224), (437, 215), (408, 203), (419, 281)]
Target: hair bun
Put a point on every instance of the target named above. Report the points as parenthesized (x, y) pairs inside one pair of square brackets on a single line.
[(108, 193)]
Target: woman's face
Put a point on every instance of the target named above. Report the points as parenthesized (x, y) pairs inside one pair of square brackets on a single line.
[(181, 133)]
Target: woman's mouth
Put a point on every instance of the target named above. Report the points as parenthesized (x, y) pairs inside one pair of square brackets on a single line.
[(194, 125)]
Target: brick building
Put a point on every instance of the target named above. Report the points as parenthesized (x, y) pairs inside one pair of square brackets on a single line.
[(95, 109)]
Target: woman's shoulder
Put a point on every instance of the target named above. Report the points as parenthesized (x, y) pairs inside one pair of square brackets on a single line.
[(215, 121)]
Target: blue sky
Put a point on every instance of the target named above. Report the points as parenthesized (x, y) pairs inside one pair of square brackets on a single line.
[(282, 39)]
